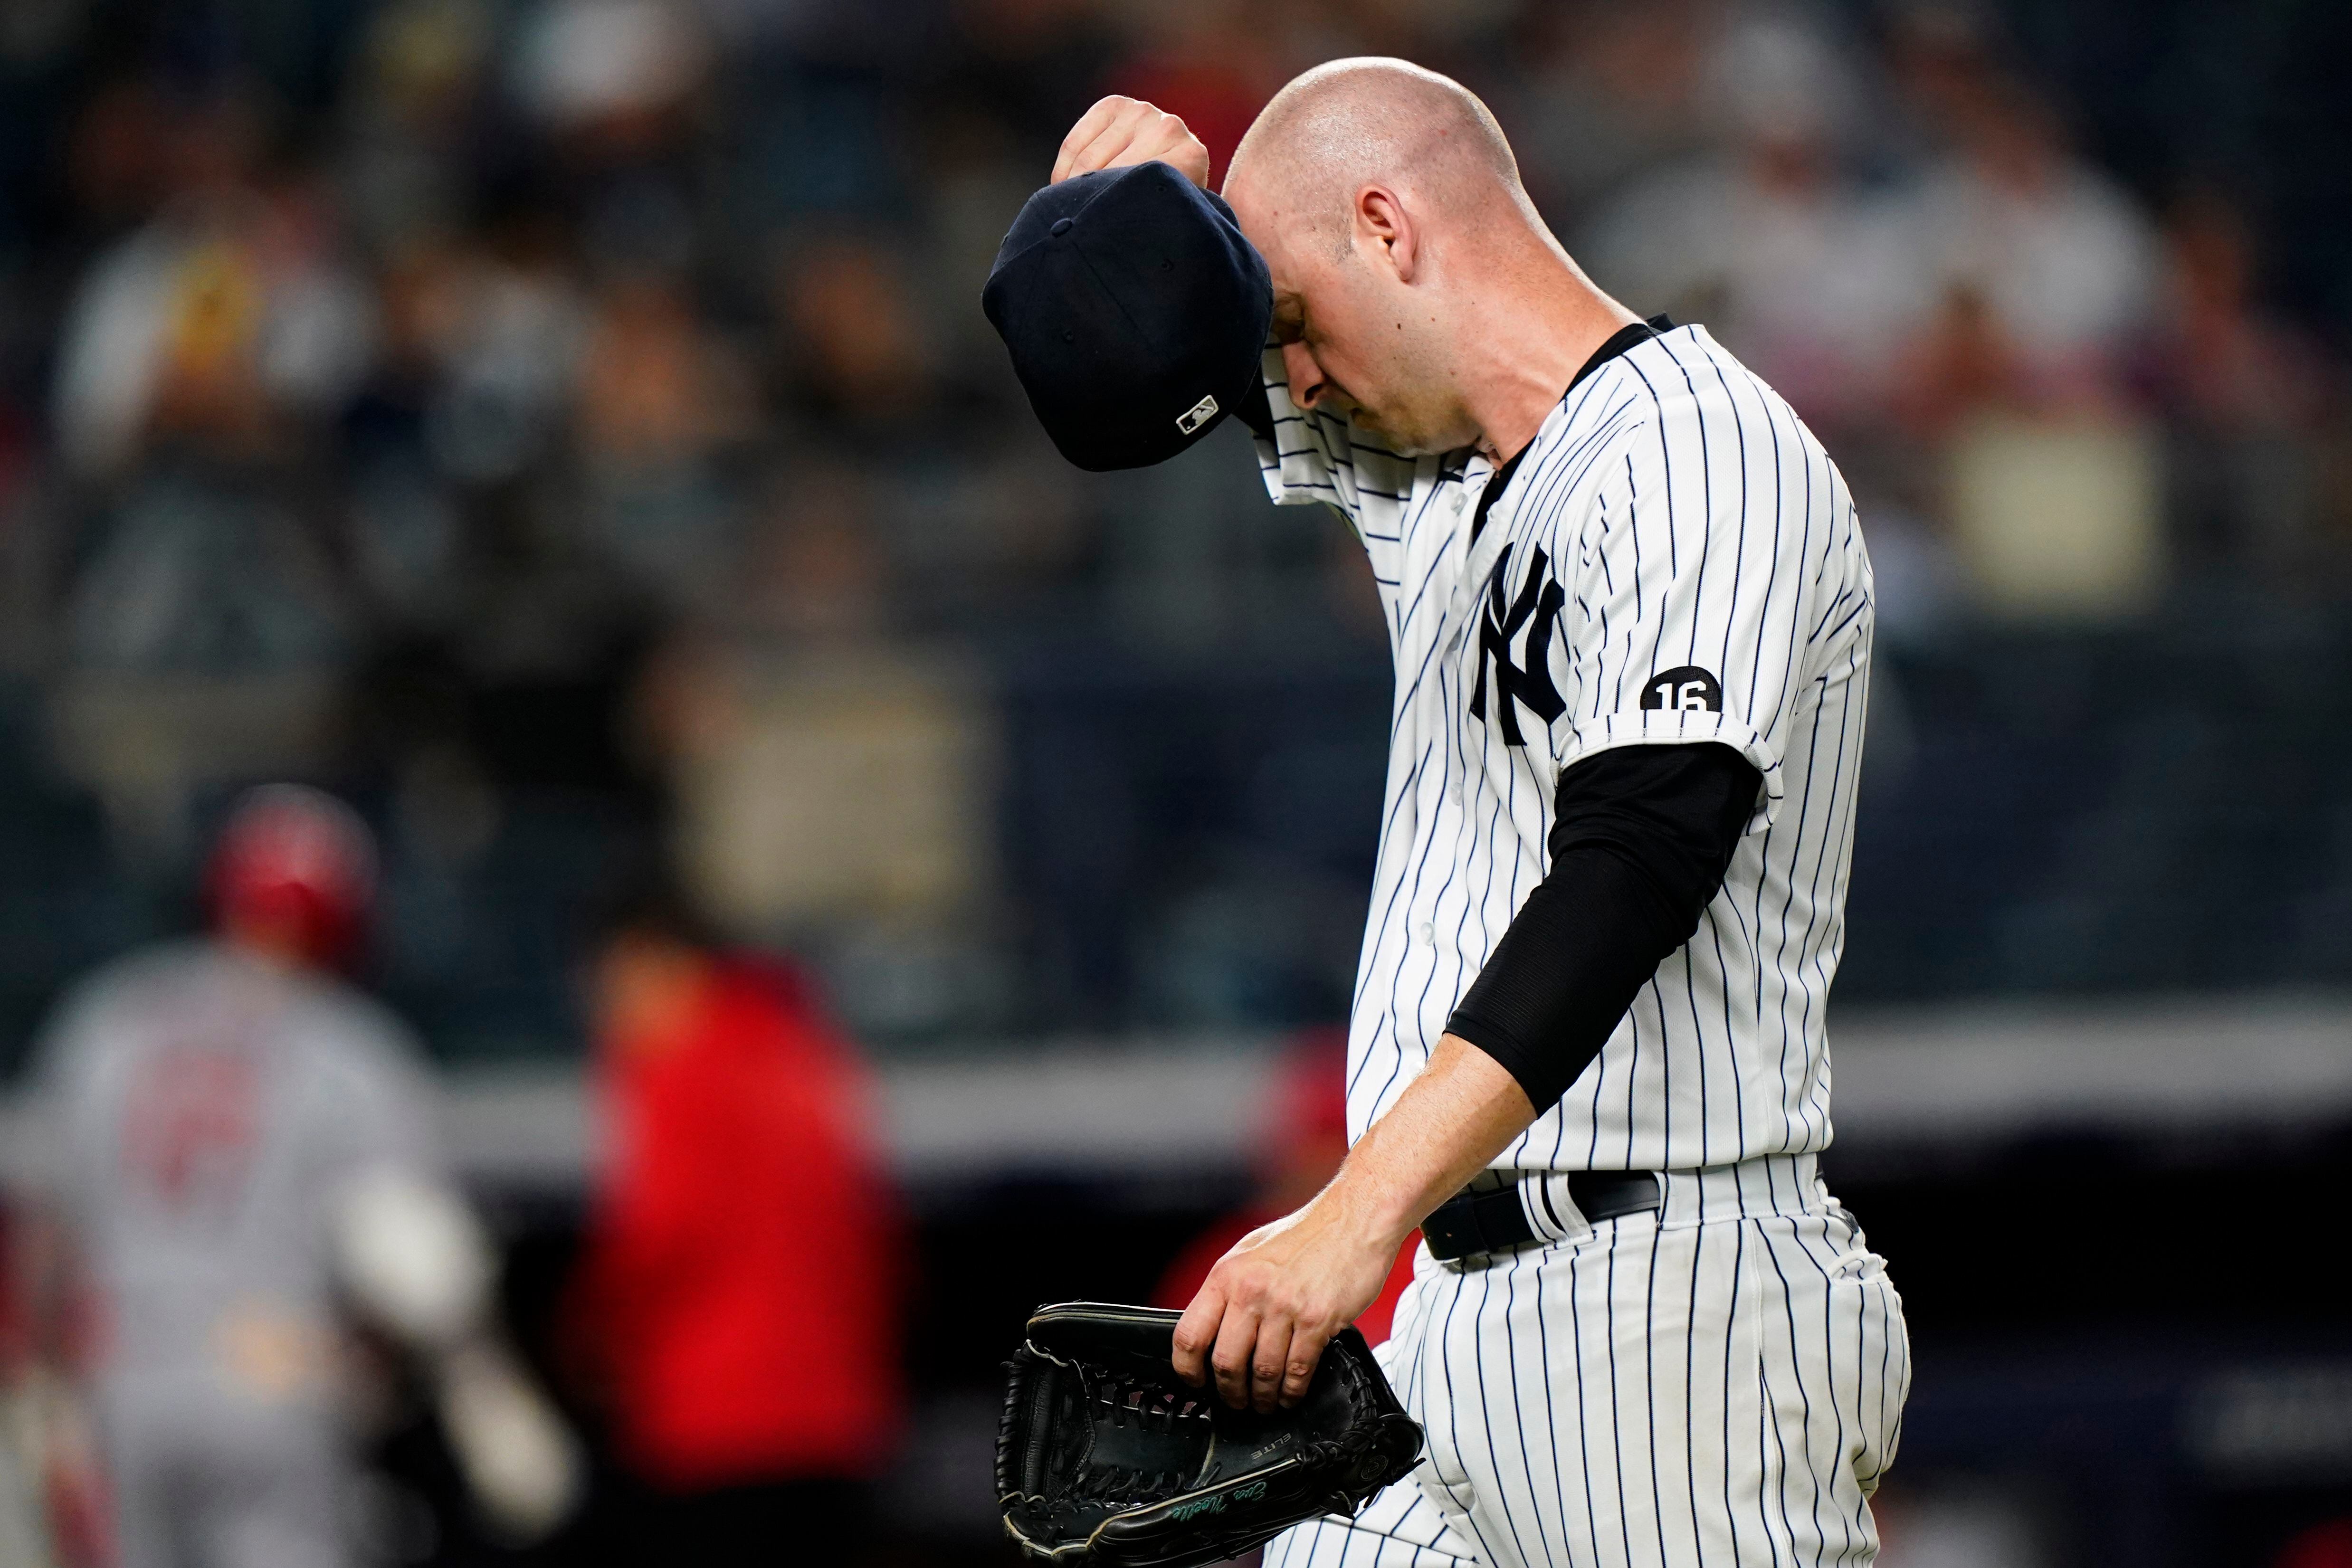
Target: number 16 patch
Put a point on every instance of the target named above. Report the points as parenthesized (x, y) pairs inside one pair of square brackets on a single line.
[(1688, 688)]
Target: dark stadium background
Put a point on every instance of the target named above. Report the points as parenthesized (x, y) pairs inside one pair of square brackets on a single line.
[(2102, 890)]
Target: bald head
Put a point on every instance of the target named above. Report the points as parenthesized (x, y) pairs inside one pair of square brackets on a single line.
[(1355, 122), (1416, 290)]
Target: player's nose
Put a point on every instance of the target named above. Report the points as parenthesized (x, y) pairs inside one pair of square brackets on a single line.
[(1307, 383)]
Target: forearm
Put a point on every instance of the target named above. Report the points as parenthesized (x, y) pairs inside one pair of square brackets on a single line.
[(1462, 1112), (1271, 1304)]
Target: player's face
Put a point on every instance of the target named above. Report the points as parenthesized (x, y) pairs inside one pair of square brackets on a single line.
[(1346, 346)]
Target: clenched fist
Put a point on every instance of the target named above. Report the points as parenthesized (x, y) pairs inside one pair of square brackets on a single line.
[(1120, 131)]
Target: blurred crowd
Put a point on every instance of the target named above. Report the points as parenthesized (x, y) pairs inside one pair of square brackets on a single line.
[(567, 429), (486, 404)]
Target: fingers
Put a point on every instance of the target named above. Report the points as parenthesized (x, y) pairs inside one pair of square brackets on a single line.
[(1235, 1355), (1196, 1333), (1173, 142), (1270, 1363), (1307, 1344), (1090, 125), (1120, 130), (1112, 146), (1258, 1351), (1101, 134)]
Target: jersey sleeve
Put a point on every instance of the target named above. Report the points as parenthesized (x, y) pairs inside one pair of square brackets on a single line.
[(60, 1145), (379, 1106), (1708, 589), (1316, 456)]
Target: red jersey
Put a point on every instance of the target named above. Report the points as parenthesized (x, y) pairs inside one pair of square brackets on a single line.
[(741, 1277)]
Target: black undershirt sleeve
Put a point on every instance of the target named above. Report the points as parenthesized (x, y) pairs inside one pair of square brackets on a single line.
[(1640, 843)]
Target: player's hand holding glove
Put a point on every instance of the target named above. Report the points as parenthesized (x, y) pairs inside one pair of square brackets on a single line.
[(1106, 1457)]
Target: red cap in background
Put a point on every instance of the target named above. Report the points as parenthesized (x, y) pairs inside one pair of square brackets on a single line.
[(299, 864)]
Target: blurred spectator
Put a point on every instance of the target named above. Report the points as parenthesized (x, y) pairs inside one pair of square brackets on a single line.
[(2042, 273), (220, 322), (1772, 243), (1602, 93), (1308, 1138), (203, 643), (739, 1300), (201, 355), (2249, 398), (499, 341), (1938, 56), (2224, 360), (415, 97), (406, 539), (505, 325), (657, 400), (617, 75), (968, 518), (856, 356), (238, 1145)]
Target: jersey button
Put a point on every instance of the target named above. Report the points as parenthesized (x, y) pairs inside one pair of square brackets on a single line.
[(1426, 932)]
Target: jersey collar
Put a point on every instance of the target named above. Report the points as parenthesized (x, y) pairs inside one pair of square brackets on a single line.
[(1624, 338)]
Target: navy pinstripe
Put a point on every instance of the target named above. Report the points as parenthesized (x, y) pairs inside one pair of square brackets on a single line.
[(1723, 1383)]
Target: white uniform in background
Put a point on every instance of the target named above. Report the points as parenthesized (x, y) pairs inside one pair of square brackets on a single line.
[(235, 1149), (1673, 560)]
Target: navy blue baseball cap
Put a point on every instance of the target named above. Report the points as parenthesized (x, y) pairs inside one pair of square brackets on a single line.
[(1134, 310)]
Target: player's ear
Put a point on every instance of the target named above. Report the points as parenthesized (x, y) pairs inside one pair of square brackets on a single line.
[(1386, 232)]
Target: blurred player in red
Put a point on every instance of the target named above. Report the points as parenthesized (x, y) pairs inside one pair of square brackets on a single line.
[(1309, 1138), (739, 1301), (239, 1148)]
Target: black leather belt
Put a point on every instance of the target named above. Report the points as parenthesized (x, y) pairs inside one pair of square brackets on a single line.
[(1495, 1220)]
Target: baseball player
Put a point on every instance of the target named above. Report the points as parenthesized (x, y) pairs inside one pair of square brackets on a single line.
[(1631, 614), (241, 1145)]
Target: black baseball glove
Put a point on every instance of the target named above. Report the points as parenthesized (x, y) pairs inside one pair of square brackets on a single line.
[(1106, 1458)]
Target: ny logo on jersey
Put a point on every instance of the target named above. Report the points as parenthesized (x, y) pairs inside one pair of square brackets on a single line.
[(1534, 610)]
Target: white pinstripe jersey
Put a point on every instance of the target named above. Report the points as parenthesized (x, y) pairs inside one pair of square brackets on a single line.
[(1674, 559)]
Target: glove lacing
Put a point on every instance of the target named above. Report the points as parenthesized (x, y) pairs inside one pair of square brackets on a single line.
[(1147, 1404)]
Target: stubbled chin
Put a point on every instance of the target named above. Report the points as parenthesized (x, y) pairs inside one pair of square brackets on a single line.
[(1403, 447), (1402, 444)]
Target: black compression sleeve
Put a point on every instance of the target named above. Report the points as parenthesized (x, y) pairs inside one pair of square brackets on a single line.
[(1641, 841)]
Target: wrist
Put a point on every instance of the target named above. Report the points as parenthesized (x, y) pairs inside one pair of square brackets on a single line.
[(1377, 1213), (1462, 1110)]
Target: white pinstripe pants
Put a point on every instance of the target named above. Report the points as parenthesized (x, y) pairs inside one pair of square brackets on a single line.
[(1719, 1385)]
